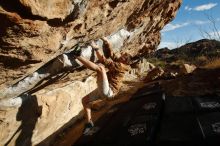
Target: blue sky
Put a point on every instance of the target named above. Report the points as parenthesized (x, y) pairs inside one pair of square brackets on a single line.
[(192, 19)]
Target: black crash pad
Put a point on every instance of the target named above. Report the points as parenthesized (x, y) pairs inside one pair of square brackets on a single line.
[(141, 130), (133, 123), (210, 126), (178, 105), (148, 119), (206, 104), (179, 130)]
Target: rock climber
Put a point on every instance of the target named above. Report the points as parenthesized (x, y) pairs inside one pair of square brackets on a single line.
[(110, 74)]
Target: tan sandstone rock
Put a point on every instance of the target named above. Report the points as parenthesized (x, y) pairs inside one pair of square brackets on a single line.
[(140, 69), (50, 9), (28, 40), (173, 70), (44, 113), (34, 32), (186, 68), (154, 74)]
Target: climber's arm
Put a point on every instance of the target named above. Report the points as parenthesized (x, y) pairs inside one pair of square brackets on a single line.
[(108, 49), (100, 57)]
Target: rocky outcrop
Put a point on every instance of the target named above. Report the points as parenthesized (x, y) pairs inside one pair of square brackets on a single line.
[(154, 74), (202, 82), (34, 32), (45, 112), (37, 95), (141, 68), (187, 68), (174, 70), (53, 9)]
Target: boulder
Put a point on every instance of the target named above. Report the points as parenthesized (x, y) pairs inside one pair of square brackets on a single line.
[(36, 31), (154, 74), (45, 113), (52, 9), (141, 68), (186, 68), (172, 71), (38, 96)]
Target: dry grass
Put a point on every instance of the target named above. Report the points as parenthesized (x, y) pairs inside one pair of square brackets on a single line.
[(213, 64)]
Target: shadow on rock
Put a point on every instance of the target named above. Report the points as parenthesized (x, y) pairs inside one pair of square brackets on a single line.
[(28, 114)]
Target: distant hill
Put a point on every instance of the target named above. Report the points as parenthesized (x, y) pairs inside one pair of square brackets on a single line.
[(199, 53)]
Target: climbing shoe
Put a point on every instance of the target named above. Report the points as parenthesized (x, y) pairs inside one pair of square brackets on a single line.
[(88, 127)]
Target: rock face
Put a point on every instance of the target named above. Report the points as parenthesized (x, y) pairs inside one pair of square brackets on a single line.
[(34, 32), (141, 68), (45, 112), (58, 9)]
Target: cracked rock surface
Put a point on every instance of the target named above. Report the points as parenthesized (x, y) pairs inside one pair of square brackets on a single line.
[(34, 32)]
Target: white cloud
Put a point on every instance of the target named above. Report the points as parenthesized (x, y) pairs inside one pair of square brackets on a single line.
[(200, 22), (202, 7), (170, 27), (188, 8), (205, 7)]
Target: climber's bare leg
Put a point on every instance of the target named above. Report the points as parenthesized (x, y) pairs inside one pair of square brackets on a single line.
[(101, 77), (87, 108)]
